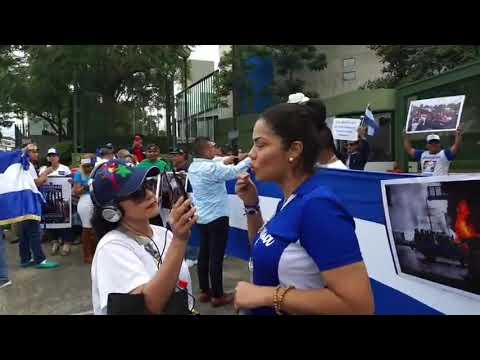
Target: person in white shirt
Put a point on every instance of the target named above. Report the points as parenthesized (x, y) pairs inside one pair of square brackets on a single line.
[(132, 256), (435, 161), (329, 156), (30, 239), (53, 157), (208, 178)]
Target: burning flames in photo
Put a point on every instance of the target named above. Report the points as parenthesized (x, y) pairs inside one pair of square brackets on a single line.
[(464, 229)]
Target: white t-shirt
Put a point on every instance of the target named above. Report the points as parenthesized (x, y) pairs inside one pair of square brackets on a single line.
[(61, 171), (121, 265), (338, 164), (435, 164), (32, 171)]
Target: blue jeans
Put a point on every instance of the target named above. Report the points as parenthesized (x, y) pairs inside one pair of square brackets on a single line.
[(192, 252), (30, 242), (3, 257)]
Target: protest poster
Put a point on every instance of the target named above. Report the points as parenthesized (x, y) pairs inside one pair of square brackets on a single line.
[(57, 209), (345, 129), (435, 115), (433, 225)]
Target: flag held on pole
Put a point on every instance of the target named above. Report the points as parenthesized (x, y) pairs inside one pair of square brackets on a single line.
[(372, 124)]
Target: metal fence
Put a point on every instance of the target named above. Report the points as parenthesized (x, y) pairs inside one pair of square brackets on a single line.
[(198, 117)]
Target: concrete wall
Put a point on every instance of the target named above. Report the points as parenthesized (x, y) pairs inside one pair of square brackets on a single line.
[(199, 69), (329, 82)]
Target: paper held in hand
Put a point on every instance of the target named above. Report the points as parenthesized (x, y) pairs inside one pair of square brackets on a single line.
[(345, 129)]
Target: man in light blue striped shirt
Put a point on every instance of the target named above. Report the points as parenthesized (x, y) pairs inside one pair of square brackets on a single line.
[(208, 178)]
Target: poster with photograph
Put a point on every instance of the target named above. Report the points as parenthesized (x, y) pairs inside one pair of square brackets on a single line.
[(57, 210), (435, 115), (7, 137), (433, 226)]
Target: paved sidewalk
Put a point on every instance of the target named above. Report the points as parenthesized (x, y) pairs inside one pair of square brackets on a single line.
[(67, 290)]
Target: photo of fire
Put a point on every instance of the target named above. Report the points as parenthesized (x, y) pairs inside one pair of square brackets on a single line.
[(434, 230)]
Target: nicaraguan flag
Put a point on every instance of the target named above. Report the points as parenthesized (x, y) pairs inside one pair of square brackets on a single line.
[(369, 119), (19, 196)]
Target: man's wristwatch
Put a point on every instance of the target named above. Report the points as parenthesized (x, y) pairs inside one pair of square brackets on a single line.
[(252, 209)]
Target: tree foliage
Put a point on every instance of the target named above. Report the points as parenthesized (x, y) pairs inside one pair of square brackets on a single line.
[(40, 80), (406, 63), (288, 62)]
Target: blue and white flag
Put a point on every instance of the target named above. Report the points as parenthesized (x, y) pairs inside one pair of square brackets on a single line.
[(361, 194), (19, 196), (372, 124)]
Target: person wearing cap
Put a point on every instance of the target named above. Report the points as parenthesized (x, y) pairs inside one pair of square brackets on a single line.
[(180, 160), (435, 160), (124, 154), (137, 148), (106, 153), (53, 157), (358, 151), (85, 206), (132, 256), (30, 239), (153, 159)]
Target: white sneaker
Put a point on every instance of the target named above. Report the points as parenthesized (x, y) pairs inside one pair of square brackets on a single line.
[(5, 283), (191, 263)]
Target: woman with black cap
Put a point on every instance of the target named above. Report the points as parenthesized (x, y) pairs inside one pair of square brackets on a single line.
[(134, 257)]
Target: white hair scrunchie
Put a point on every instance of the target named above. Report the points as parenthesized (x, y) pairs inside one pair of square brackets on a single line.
[(298, 98)]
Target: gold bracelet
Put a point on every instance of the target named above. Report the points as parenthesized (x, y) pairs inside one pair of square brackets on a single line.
[(282, 297), (275, 299)]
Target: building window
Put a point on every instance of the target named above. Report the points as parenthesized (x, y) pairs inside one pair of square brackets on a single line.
[(349, 76), (349, 70)]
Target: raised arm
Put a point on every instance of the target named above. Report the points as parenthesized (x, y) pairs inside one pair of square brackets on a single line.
[(458, 141), (408, 146), (247, 192), (230, 172)]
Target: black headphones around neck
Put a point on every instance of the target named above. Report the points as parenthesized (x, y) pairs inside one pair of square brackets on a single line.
[(111, 212)]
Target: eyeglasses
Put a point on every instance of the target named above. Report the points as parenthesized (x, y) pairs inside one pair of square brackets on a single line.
[(140, 195), (434, 142)]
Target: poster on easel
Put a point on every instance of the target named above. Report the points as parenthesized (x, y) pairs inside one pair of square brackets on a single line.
[(433, 225)]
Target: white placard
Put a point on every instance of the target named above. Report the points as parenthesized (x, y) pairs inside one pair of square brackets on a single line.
[(345, 129)]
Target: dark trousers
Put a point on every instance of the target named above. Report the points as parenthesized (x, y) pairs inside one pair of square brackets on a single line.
[(213, 242), (30, 242), (56, 234)]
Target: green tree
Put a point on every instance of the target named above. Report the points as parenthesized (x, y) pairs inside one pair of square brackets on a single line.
[(40, 80), (288, 62), (406, 63)]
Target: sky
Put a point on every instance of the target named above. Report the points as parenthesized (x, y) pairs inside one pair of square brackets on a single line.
[(206, 52), (200, 52)]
